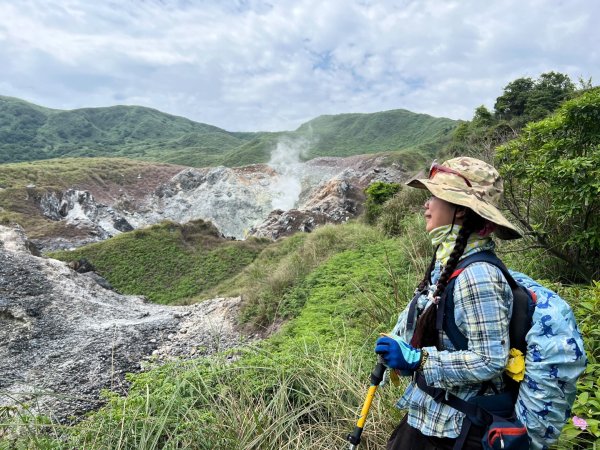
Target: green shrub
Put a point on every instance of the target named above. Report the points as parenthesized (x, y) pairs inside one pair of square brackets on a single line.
[(393, 218), (551, 173), (377, 194)]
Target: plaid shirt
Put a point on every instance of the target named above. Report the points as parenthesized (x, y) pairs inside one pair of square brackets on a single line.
[(483, 306)]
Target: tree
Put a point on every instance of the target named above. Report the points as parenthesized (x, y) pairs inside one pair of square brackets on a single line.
[(513, 101), (552, 182), (549, 91), (480, 137), (524, 99), (482, 117)]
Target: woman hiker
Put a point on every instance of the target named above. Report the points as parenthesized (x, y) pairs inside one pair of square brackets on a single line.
[(460, 216)]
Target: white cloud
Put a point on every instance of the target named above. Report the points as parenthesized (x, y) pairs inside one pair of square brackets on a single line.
[(251, 65)]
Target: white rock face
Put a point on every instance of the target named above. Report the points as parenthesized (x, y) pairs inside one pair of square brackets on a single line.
[(239, 201), (229, 198), (80, 209), (233, 199)]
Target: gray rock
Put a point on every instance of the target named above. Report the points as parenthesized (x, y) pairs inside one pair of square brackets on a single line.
[(238, 201), (64, 337), (79, 209)]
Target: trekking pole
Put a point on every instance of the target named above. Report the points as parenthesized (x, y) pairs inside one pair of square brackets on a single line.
[(376, 377)]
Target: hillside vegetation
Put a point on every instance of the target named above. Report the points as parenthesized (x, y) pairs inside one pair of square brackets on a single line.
[(63, 173), (378, 132), (29, 132), (168, 262)]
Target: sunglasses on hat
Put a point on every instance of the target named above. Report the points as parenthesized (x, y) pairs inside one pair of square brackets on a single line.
[(437, 168)]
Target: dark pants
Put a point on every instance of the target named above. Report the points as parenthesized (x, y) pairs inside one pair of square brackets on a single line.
[(406, 437)]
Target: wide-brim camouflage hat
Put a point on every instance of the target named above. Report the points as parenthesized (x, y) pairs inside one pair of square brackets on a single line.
[(472, 183)]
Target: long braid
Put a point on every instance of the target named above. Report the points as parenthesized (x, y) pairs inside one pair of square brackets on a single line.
[(426, 334)]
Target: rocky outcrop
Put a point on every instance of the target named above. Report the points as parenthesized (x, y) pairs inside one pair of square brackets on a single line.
[(335, 200), (80, 210), (239, 201), (281, 223), (232, 199), (64, 337)]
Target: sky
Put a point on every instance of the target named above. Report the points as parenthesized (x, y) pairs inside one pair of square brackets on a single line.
[(252, 65)]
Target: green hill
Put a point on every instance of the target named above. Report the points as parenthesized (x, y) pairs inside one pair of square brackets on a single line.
[(350, 134), (29, 132), (185, 260)]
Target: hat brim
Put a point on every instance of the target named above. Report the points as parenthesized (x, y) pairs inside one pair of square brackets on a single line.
[(504, 229)]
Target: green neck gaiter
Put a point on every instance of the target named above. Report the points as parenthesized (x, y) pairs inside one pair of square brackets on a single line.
[(444, 238)]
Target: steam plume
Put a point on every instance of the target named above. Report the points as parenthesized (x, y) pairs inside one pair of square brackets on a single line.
[(285, 159)]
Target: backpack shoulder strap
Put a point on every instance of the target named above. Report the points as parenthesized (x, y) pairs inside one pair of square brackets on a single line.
[(445, 316), (488, 257)]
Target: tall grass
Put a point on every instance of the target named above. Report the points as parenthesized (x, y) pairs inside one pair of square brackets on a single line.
[(266, 284), (260, 403)]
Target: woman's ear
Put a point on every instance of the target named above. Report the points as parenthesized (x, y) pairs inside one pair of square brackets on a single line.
[(460, 213)]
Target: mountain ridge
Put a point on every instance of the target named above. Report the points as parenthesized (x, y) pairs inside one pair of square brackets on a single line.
[(30, 132)]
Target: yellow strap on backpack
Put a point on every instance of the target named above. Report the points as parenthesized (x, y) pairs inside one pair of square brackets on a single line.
[(516, 365)]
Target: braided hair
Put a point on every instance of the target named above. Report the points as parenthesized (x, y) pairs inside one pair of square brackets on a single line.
[(426, 334)]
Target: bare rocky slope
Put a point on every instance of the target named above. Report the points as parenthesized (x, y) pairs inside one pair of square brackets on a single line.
[(262, 200), (63, 337)]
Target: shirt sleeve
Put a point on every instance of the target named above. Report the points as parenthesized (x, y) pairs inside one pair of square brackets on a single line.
[(483, 304)]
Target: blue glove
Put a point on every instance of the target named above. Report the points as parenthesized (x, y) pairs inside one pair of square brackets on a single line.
[(397, 354)]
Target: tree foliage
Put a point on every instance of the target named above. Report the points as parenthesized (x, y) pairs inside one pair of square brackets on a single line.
[(525, 99), (522, 101), (480, 137), (513, 101), (482, 117), (552, 175)]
